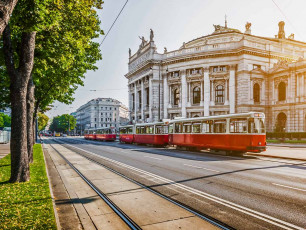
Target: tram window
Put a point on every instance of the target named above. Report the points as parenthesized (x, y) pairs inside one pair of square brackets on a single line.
[(187, 128), (238, 125), (159, 129), (220, 126), (122, 131), (130, 130), (142, 130), (151, 129), (171, 128), (262, 126), (196, 128), (207, 126), (178, 127), (137, 130), (251, 126)]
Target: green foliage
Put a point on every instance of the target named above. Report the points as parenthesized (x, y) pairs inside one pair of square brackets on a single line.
[(26, 205), (5, 120), (65, 48), (42, 121), (63, 123)]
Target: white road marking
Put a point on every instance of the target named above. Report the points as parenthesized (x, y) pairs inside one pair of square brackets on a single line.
[(248, 211), (304, 190), (193, 166), (153, 158)]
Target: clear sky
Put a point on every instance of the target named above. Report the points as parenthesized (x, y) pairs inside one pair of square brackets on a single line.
[(174, 22)]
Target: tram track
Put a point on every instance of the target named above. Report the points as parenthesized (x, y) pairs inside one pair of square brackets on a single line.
[(258, 215), (130, 223)]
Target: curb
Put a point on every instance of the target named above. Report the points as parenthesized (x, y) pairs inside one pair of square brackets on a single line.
[(280, 157), (51, 192)]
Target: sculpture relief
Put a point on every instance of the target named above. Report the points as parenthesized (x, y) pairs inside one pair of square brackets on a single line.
[(281, 30), (151, 35), (248, 28)]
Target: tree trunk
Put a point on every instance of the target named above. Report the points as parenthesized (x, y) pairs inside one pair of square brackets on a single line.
[(18, 94), (30, 127), (6, 9)]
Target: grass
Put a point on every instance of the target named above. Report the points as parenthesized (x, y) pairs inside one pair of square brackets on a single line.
[(26, 205), (287, 141)]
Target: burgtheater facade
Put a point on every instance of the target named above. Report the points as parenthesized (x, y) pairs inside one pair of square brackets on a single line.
[(225, 72)]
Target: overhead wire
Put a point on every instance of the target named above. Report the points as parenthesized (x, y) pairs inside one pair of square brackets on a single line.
[(114, 22)]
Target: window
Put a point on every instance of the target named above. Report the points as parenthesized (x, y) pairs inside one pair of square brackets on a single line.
[(196, 95), (101, 119), (256, 92), (196, 127), (207, 126), (161, 129), (256, 66), (187, 128), (148, 96), (171, 128), (282, 91), (220, 126), (95, 119), (176, 97), (219, 94), (238, 125), (178, 127)]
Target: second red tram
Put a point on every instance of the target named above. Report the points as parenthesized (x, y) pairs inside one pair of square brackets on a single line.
[(232, 132), (101, 134)]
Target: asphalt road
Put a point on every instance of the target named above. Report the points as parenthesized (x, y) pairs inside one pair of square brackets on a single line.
[(242, 192)]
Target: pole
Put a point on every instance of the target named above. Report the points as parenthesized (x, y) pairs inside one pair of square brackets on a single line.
[(159, 92), (36, 120)]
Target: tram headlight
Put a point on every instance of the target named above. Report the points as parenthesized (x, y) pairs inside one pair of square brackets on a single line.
[(259, 143)]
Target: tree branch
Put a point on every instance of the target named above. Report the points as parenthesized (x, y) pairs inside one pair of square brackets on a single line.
[(6, 9)]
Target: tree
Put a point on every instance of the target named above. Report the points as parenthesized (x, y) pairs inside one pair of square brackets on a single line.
[(42, 121), (63, 123), (64, 52), (5, 120)]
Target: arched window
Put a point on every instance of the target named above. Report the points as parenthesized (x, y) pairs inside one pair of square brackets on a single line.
[(176, 97), (196, 94), (256, 92), (282, 91), (219, 94), (281, 122)]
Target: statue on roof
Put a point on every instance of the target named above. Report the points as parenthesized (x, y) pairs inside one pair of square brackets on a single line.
[(151, 35), (248, 28), (281, 30), (291, 37), (130, 52), (143, 41), (165, 49)]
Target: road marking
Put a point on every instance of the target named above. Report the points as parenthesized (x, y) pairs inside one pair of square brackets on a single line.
[(197, 167), (304, 190), (251, 212), (153, 158)]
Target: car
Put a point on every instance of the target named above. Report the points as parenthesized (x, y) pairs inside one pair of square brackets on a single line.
[(64, 135)]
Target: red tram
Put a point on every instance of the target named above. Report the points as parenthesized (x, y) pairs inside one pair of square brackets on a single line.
[(243, 132), (101, 134), (126, 134), (233, 132)]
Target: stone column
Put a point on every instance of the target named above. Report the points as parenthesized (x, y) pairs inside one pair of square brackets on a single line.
[(273, 92), (251, 92), (297, 86), (189, 94), (202, 93), (232, 89), (226, 92), (170, 95), (130, 103), (303, 86), (262, 92), (206, 91), (166, 96), (150, 99), (142, 100), (135, 102), (184, 93)]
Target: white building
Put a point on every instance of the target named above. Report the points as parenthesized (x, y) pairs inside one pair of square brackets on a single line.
[(101, 113), (227, 71)]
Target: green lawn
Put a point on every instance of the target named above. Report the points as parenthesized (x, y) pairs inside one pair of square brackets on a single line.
[(287, 141), (26, 205)]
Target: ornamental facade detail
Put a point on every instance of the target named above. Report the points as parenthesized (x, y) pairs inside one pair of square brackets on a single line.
[(225, 72)]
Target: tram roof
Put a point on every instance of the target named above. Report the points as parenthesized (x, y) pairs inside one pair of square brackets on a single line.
[(237, 115), (152, 123)]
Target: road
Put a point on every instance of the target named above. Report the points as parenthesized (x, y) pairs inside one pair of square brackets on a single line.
[(242, 192)]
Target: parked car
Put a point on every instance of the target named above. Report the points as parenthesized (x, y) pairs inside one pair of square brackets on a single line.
[(64, 135)]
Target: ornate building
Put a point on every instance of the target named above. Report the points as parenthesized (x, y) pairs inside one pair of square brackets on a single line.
[(225, 72)]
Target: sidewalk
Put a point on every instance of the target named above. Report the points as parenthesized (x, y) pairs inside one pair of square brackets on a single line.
[(88, 211), (290, 151), (4, 150)]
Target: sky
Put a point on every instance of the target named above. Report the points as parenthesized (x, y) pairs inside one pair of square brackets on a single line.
[(174, 22)]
